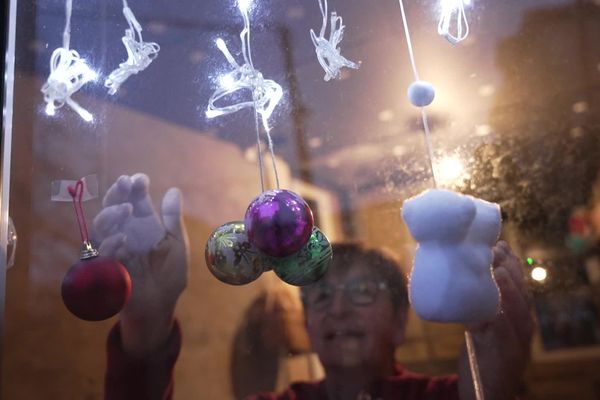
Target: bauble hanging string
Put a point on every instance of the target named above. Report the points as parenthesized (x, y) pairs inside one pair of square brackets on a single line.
[(474, 219), (278, 230), (96, 287)]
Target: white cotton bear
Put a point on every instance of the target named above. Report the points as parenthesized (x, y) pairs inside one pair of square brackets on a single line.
[(451, 279)]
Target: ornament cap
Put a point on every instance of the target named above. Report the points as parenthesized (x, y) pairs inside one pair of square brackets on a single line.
[(88, 251)]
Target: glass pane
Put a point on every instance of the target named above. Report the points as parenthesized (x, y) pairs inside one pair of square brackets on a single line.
[(515, 121)]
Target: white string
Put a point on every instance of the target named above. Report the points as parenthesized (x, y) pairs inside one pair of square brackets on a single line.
[(470, 348), (68, 73), (474, 366), (67, 31), (270, 142), (245, 34), (139, 53), (429, 145), (456, 9), (266, 93), (409, 42), (259, 150), (245, 38), (416, 75), (323, 6), (328, 52)]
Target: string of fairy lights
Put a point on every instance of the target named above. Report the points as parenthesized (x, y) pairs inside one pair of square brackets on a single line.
[(69, 72)]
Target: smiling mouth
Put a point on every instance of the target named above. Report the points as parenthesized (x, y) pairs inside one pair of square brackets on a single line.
[(350, 334)]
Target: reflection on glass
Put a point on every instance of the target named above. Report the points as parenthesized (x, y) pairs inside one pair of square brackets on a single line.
[(12, 243), (515, 121)]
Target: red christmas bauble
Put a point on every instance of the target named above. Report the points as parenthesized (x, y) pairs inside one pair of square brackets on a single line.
[(96, 288)]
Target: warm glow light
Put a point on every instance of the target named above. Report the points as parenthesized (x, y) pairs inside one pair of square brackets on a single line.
[(385, 115), (580, 107), (448, 170), (483, 130), (539, 274)]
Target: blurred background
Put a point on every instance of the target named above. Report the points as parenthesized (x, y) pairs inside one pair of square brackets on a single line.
[(516, 120)]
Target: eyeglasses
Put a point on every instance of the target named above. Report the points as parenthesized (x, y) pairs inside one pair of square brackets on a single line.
[(360, 292)]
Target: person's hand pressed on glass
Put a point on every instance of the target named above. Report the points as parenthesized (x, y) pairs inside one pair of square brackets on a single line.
[(154, 250), (502, 345)]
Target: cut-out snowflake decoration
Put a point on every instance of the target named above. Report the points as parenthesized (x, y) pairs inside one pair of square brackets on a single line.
[(266, 93), (68, 73), (139, 53), (453, 23), (328, 52)]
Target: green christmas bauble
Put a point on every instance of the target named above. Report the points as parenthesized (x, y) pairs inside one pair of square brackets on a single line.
[(230, 257), (307, 265)]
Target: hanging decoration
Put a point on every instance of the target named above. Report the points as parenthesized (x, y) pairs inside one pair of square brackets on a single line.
[(328, 51), (308, 265), (462, 245), (96, 287), (68, 73), (277, 233), (278, 230), (279, 222), (139, 53), (266, 93), (231, 257), (453, 23)]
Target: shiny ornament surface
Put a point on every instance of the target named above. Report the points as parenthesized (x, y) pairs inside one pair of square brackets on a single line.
[(97, 288), (309, 264), (279, 222), (230, 256)]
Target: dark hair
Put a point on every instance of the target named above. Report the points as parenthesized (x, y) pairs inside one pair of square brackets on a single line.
[(379, 263)]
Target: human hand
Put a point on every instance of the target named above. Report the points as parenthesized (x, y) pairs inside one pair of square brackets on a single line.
[(155, 252), (502, 346)]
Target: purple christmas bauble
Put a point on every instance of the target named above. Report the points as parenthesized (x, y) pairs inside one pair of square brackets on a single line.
[(278, 222)]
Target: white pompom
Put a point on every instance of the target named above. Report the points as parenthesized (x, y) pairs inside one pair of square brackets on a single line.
[(421, 93)]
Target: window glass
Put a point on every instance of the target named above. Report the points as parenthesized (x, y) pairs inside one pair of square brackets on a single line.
[(515, 121)]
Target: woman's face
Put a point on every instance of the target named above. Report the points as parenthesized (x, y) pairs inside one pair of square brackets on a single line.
[(350, 319)]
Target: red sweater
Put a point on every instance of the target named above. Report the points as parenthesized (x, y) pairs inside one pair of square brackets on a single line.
[(130, 378)]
